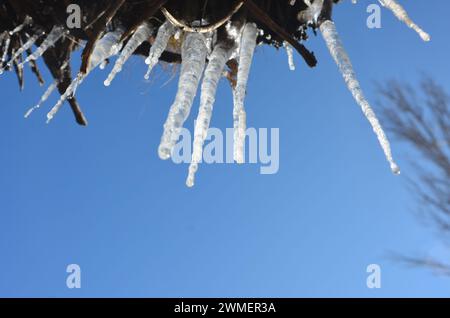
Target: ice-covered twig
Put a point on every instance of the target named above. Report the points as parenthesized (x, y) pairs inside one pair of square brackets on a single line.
[(5, 49), (402, 15), (55, 34), (106, 47), (213, 72), (44, 97), (142, 33), (246, 52), (341, 58), (28, 44), (193, 54), (70, 91)]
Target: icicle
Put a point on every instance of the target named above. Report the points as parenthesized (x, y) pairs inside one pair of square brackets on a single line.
[(70, 91), (44, 97), (3, 35), (5, 53), (165, 32), (24, 47), (28, 20), (106, 47), (55, 34), (402, 15), (247, 50), (141, 35), (337, 50), (193, 54), (213, 72), (314, 10), (290, 54)]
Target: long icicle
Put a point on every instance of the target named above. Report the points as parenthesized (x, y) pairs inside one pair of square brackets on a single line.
[(402, 15), (193, 54), (165, 32), (142, 34), (247, 50), (44, 97), (55, 34), (213, 72), (341, 58), (106, 47)]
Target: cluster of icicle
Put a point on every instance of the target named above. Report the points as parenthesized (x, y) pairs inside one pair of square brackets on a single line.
[(204, 58)]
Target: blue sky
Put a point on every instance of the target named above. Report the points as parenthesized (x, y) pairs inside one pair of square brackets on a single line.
[(101, 198)]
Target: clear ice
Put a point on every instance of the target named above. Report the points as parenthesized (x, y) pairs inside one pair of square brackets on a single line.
[(246, 52), (142, 34), (213, 73), (193, 54), (44, 97), (165, 32), (55, 34)]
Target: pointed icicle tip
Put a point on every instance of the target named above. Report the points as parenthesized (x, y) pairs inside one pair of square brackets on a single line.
[(403, 16), (395, 169)]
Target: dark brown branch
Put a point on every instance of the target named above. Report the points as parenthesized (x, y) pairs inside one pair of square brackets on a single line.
[(35, 69), (55, 58)]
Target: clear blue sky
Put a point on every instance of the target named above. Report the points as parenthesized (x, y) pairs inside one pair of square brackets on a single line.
[(101, 198)]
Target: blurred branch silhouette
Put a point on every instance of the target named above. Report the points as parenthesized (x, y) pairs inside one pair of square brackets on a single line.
[(421, 119)]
